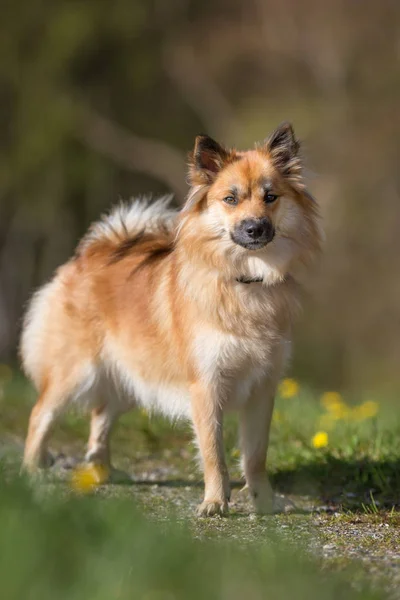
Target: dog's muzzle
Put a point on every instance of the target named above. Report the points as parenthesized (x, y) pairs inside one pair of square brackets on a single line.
[(253, 234)]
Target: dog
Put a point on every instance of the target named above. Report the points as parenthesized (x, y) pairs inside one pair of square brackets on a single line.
[(184, 312)]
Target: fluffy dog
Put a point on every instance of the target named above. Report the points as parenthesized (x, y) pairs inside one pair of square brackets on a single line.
[(184, 312)]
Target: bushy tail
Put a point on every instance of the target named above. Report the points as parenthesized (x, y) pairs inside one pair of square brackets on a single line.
[(132, 223)]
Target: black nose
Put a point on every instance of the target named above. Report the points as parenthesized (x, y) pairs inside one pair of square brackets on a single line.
[(256, 228), (253, 234)]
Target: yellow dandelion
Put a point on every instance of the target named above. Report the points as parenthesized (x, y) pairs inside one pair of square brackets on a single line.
[(340, 411), (335, 406), (288, 388), (320, 439), (235, 453), (5, 373), (144, 412), (87, 477), (329, 399), (366, 410)]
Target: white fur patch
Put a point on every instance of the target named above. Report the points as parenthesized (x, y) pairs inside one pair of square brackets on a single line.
[(129, 219), (126, 388), (118, 386), (89, 389), (232, 364), (34, 330)]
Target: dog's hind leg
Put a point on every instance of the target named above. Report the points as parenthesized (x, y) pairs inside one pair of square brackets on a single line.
[(102, 421), (58, 391), (48, 407), (103, 418)]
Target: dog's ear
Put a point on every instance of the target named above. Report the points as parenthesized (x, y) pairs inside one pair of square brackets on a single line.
[(206, 160), (283, 149)]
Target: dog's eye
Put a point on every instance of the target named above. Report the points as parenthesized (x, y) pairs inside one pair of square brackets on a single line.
[(268, 198), (230, 200)]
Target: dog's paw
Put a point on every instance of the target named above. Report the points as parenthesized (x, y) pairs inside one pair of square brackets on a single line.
[(212, 509), (262, 496), (276, 504), (283, 504), (38, 465), (264, 506), (270, 504)]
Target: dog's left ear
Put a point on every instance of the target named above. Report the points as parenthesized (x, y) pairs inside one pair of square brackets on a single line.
[(283, 149), (206, 160)]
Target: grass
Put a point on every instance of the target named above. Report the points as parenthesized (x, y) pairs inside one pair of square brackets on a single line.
[(57, 547), (142, 540)]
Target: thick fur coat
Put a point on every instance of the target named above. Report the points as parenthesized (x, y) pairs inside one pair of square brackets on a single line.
[(184, 312)]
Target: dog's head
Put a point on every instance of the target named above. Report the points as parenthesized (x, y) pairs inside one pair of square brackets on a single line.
[(254, 203)]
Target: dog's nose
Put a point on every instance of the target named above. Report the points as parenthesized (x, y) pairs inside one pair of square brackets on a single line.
[(253, 229), (256, 228), (253, 233)]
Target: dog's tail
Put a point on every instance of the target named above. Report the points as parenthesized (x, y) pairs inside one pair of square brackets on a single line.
[(138, 224)]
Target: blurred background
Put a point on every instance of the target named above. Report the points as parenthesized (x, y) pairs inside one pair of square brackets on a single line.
[(102, 101)]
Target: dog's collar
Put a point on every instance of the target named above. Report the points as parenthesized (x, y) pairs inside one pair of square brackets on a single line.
[(246, 280)]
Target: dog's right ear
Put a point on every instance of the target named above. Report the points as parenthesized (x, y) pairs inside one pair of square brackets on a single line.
[(206, 160)]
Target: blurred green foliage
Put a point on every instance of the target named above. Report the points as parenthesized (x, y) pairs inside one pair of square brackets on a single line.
[(57, 546), (101, 101)]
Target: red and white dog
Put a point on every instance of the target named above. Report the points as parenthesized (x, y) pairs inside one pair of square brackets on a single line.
[(188, 313)]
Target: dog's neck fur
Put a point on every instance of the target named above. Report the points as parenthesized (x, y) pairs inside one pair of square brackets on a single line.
[(209, 279), (202, 252)]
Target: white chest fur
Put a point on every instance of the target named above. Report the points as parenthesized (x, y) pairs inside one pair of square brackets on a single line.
[(234, 364)]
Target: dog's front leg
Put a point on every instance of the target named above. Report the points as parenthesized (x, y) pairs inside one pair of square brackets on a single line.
[(207, 421), (255, 421)]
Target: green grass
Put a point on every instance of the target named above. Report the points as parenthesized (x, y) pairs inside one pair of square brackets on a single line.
[(53, 546), (358, 470), (142, 539)]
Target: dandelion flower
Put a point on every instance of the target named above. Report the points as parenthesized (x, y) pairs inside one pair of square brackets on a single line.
[(340, 411), (333, 402), (329, 399), (366, 410), (86, 478), (288, 388), (320, 439)]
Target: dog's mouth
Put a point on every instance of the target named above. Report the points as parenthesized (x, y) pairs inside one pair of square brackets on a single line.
[(251, 244)]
